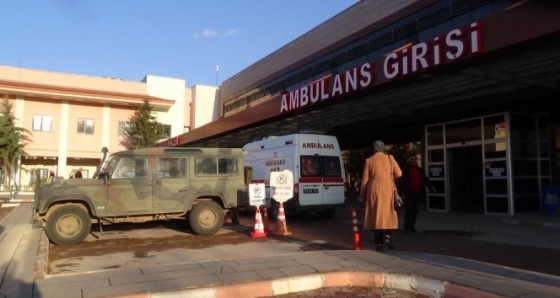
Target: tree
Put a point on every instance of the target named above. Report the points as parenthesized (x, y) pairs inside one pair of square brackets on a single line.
[(144, 130), (12, 139)]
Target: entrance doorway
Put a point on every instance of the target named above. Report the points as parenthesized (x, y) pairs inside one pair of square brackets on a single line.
[(466, 192)]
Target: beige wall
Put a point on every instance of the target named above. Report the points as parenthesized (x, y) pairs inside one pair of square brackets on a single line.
[(171, 89), (205, 105), (83, 145), (33, 76), (188, 110), (115, 141), (67, 98), (44, 143), (63, 149)]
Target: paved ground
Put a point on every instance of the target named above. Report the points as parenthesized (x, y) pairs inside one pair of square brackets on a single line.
[(5, 211), (458, 235), (20, 242)]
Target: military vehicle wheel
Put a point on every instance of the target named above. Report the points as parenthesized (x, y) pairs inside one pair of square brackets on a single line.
[(206, 218), (68, 225)]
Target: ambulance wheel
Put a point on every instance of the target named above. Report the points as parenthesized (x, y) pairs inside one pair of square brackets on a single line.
[(206, 218), (327, 213)]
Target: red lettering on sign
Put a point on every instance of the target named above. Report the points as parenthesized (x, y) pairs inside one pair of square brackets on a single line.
[(317, 145), (352, 80), (171, 142), (413, 58), (442, 49)]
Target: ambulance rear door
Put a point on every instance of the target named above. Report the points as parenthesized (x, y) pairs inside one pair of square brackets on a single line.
[(321, 175), (333, 180), (310, 182), (332, 170)]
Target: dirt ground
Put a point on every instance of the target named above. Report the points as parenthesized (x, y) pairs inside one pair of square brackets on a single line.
[(4, 211), (144, 246)]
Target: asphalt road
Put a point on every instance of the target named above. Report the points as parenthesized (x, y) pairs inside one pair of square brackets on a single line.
[(525, 247)]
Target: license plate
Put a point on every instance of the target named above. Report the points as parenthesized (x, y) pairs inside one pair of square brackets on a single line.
[(310, 190)]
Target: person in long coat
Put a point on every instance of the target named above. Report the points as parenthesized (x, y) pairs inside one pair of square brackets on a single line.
[(376, 190)]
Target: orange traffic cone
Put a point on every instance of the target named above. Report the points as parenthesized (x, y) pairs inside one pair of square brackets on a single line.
[(281, 227), (357, 245), (265, 220), (259, 228)]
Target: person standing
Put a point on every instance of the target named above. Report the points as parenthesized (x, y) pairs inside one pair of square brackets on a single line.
[(78, 173), (413, 183), (376, 190)]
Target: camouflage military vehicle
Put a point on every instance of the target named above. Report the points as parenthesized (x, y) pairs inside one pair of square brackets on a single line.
[(196, 184)]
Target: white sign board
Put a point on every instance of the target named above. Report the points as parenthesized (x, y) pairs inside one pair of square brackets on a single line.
[(257, 194), (282, 185)]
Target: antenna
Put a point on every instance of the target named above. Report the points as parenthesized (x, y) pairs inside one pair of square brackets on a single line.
[(217, 70)]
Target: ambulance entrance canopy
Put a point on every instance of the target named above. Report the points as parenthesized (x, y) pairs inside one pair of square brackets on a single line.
[(493, 72), (486, 65)]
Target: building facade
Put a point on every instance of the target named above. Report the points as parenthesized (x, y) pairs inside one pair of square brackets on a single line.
[(474, 83), (71, 117)]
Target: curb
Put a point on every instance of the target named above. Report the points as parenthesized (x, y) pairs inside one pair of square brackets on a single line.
[(41, 267), (543, 224), (14, 203), (17, 201), (269, 288)]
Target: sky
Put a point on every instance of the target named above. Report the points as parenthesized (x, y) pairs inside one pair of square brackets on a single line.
[(129, 39)]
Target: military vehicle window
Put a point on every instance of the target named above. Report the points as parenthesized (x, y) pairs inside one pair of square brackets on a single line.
[(131, 168), (310, 166), (206, 166), (172, 168), (227, 166), (331, 166)]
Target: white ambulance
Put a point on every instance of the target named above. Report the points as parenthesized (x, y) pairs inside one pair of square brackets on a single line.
[(316, 163)]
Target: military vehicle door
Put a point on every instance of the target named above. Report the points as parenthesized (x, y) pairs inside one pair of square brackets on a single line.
[(171, 186), (130, 191)]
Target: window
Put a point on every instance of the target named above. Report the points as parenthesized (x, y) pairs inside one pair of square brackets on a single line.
[(464, 131), (310, 166), (172, 168), (206, 166), (227, 166), (124, 127), (435, 135), (42, 123), (211, 166), (166, 128), (331, 166), (131, 168), (85, 126)]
